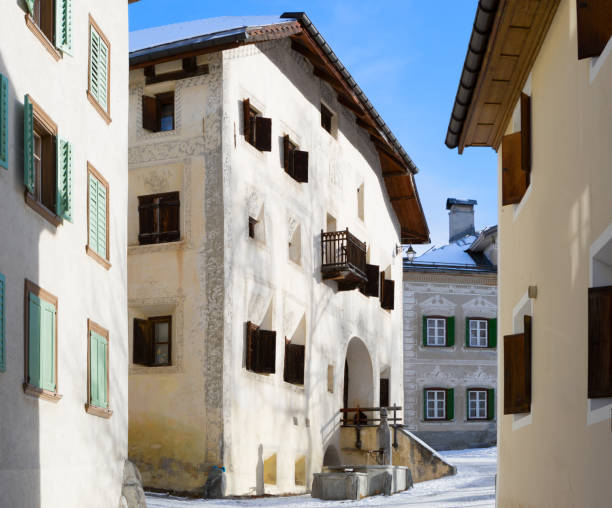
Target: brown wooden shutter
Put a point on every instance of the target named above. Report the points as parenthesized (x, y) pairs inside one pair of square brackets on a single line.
[(384, 392), (150, 113), (300, 166), (600, 342), (294, 363), (514, 179), (146, 219), (388, 298), (142, 342), (263, 132), (250, 345), (266, 352), (526, 134), (517, 371), (594, 26), (370, 288), (169, 206), (287, 154), (246, 112), (382, 286)]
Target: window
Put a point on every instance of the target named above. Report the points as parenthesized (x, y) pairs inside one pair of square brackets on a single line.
[(257, 129), (153, 341), (256, 226), (51, 23), (478, 333), (480, 404), (2, 323), (47, 165), (41, 343), (294, 363), (360, 202), (438, 331), (438, 403), (99, 70), (516, 158), (158, 112), (4, 121), (97, 371), (384, 392), (159, 218), (594, 27), (326, 118), (295, 161), (97, 217), (517, 371), (600, 342), (260, 350), (295, 246)]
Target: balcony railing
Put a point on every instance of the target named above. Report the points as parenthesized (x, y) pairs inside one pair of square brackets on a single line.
[(343, 257)]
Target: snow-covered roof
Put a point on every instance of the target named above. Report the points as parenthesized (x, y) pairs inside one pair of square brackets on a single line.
[(453, 253), (210, 28)]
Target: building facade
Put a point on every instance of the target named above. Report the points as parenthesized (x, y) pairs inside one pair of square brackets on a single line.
[(264, 259), (545, 71), (63, 260), (450, 336)]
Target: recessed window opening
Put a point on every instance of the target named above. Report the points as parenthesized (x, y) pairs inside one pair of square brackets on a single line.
[(44, 166), (331, 223), (44, 17), (477, 404), (326, 118), (436, 331), (158, 112), (159, 218), (257, 226), (436, 404), (478, 333), (295, 352), (295, 246), (153, 341), (360, 202), (252, 224)]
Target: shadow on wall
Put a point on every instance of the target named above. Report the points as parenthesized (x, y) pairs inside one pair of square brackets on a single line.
[(20, 476)]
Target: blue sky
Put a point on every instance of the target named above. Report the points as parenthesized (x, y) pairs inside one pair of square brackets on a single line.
[(407, 56)]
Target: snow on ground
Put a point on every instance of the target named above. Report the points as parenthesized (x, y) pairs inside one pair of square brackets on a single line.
[(472, 486)]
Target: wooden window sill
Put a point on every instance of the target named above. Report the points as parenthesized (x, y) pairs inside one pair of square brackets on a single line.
[(101, 412), (98, 108), (94, 255), (42, 210), (35, 29), (40, 393)]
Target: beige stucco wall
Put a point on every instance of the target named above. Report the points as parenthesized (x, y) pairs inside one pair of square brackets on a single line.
[(561, 453), (56, 454), (458, 367), (217, 278)]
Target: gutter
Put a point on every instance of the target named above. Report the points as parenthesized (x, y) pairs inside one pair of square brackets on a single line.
[(477, 48), (316, 35)]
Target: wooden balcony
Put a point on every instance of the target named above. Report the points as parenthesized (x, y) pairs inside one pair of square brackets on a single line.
[(343, 259)]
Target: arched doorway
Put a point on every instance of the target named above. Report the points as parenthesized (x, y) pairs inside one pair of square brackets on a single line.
[(331, 457), (358, 375)]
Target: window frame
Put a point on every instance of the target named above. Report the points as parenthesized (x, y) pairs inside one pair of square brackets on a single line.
[(29, 389), (478, 320), (444, 337), (161, 319), (486, 404), (435, 418), (163, 99), (39, 33), (42, 121), (158, 233), (102, 412), (105, 262), (106, 115)]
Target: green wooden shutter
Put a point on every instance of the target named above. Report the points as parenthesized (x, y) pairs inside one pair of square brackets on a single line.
[(98, 70), (490, 404), (450, 404), (30, 6), (424, 330), (467, 404), (47, 345), (424, 403), (28, 145), (492, 333), (101, 211), (34, 314), (450, 331), (98, 349), (93, 213), (467, 332), (4, 122), (63, 25), (64, 180), (2, 324)]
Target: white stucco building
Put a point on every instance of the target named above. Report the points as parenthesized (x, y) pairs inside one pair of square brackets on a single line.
[(251, 147), (63, 260), (450, 336)]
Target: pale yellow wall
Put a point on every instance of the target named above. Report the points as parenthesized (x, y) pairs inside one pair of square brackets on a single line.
[(559, 455)]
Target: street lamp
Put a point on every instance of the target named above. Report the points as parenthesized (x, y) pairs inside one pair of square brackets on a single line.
[(410, 253)]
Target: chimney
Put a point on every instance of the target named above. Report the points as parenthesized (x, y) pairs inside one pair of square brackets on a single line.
[(460, 218)]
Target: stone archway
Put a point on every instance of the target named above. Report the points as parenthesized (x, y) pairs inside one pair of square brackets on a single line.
[(358, 375)]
